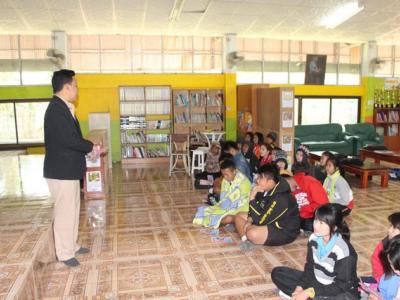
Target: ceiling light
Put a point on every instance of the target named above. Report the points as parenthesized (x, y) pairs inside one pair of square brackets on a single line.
[(341, 14), (176, 10)]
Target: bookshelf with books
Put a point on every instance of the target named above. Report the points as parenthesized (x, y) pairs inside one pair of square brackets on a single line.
[(145, 124), (198, 110), (387, 123)]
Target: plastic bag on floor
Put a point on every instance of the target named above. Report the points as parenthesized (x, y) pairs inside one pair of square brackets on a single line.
[(96, 210)]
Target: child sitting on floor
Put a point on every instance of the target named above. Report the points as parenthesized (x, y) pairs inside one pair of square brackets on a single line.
[(319, 170), (309, 194), (265, 154), (389, 284), (234, 198), (258, 139), (250, 157), (301, 158), (279, 157), (336, 186), (212, 168), (271, 138), (330, 271), (378, 259)]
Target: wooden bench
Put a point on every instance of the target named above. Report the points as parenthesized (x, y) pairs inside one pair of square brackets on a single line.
[(364, 171)]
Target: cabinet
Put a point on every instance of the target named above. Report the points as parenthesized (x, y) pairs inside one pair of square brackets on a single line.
[(198, 110), (145, 123)]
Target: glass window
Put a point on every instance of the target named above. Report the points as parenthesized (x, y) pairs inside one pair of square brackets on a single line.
[(115, 53), (9, 72), (7, 121), (35, 71), (35, 46), (276, 59), (84, 53), (8, 47), (315, 111), (344, 111), (30, 116)]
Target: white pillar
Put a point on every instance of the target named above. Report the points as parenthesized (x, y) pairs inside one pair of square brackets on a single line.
[(369, 53), (229, 47), (60, 43)]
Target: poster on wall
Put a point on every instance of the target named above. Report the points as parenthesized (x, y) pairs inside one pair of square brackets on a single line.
[(287, 119), (287, 99), (315, 69), (93, 181), (287, 144)]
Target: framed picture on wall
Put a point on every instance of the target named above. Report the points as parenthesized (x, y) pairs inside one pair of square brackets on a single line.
[(315, 69)]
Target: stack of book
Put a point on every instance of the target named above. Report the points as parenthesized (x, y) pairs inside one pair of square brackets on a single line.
[(159, 124), (131, 122), (182, 118), (214, 118)]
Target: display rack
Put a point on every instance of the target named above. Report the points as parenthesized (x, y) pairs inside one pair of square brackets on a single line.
[(198, 110), (145, 124)]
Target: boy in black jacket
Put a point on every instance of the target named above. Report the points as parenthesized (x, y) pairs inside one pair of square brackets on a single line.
[(273, 217)]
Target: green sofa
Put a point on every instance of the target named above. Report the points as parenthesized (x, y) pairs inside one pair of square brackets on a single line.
[(365, 134), (325, 137)]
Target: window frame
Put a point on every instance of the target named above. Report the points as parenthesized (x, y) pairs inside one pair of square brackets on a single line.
[(18, 145), (300, 105)]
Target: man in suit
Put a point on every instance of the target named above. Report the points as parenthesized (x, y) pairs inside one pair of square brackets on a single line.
[(65, 164)]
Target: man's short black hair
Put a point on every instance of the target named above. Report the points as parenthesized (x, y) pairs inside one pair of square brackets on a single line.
[(60, 78), (270, 171), (227, 164), (230, 145)]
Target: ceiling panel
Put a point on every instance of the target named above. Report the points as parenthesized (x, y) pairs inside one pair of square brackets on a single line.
[(269, 18)]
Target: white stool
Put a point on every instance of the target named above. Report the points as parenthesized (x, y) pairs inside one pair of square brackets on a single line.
[(199, 154)]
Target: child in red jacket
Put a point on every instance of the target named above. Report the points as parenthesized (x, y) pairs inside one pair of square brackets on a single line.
[(309, 194), (377, 259)]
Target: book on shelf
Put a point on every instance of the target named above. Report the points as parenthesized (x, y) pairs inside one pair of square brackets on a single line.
[(158, 93), (181, 99), (393, 130), (133, 137), (159, 124), (381, 117), (158, 108), (132, 108), (129, 151), (393, 116), (198, 99), (131, 94), (158, 152), (132, 122), (198, 118), (157, 138), (214, 99), (214, 118), (181, 118)]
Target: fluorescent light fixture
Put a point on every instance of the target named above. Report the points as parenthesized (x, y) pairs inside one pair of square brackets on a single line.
[(176, 10), (341, 14)]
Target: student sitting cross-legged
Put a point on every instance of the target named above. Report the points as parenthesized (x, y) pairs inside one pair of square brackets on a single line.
[(336, 186), (273, 217), (331, 267), (240, 161), (309, 194), (234, 198), (389, 284)]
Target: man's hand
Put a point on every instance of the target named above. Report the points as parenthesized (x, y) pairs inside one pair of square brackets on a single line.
[(303, 295), (298, 289), (256, 189)]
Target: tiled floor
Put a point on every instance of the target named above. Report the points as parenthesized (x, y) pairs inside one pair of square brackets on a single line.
[(146, 247)]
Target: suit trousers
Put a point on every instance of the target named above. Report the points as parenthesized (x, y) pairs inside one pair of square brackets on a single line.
[(67, 200)]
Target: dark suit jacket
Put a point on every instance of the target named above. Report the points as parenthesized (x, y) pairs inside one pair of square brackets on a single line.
[(65, 146)]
